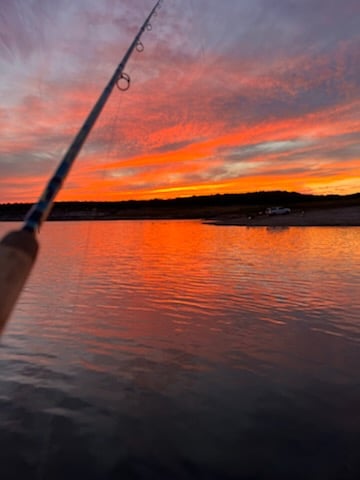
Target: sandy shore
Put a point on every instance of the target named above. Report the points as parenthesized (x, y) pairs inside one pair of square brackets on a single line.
[(345, 216)]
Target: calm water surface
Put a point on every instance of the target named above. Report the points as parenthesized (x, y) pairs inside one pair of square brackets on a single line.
[(176, 350)]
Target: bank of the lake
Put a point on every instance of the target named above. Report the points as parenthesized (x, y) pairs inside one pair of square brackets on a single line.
[(317, 217), (231, 209)]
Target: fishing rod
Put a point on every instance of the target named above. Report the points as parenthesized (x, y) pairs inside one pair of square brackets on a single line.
[(18, 249)]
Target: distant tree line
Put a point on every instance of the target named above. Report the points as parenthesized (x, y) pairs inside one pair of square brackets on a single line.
[(181, 206)]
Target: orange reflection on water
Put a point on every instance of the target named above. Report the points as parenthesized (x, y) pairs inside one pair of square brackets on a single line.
[(191, 296)]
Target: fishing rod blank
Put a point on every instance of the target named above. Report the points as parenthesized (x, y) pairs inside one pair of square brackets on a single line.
[(18, 249)]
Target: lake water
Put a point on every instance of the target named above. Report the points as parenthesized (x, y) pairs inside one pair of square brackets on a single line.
[(177, 350)]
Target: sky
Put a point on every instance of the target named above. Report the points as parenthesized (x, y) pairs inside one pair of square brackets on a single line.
[(228, 96)]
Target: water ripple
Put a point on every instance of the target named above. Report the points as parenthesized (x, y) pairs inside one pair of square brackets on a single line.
[(164, 349)]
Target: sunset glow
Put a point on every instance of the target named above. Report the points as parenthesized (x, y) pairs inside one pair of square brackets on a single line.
[(227, 97)]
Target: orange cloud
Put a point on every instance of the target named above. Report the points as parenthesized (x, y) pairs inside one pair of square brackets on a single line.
[(218, 122)]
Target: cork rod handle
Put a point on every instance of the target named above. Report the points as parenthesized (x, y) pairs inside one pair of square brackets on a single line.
[(18, 252)]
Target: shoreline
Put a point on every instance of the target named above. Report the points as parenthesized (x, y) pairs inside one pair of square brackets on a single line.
[(329, 216), (317, 217), (243, 209)]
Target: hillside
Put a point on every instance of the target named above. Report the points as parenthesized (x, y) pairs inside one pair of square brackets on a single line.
[(196, 207)]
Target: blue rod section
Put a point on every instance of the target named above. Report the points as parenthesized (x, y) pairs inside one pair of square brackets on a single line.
[(40, 210)]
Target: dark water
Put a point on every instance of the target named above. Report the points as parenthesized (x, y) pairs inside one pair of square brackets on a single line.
[(176, 350)]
